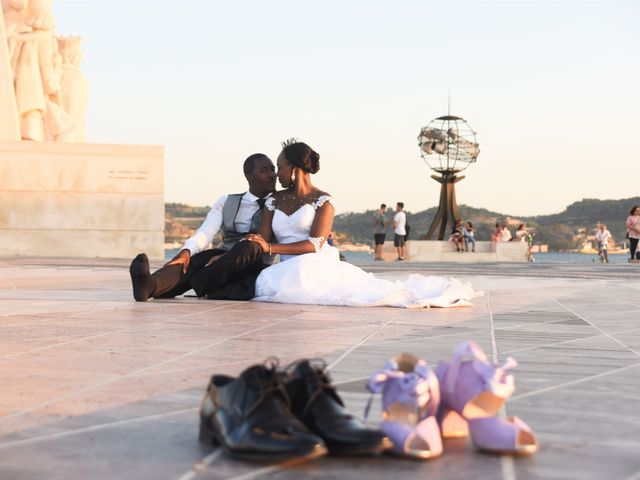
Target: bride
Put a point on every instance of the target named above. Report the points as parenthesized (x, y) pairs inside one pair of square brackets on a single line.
[(295, 225)]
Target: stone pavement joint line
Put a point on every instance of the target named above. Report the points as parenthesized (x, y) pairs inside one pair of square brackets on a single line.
[(361, 342), (201, 466), (95, 385), (635, 476), (267, 470), (94, 428), (564, 342), (575, 382), (599, 329), (506, 463), (133, 373)]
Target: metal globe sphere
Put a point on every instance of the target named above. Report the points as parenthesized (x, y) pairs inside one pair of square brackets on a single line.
[(448, 144)]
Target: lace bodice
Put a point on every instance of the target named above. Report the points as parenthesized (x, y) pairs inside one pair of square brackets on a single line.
[(297, 226)]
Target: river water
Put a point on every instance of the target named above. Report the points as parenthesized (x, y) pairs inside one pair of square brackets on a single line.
[(555, 257), (362, 257)]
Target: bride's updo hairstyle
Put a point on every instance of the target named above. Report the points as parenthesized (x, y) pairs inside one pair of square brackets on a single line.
[(301, 155)]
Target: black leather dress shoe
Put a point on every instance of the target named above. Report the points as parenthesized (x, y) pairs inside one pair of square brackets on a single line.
[(315, 401), (249, 418)]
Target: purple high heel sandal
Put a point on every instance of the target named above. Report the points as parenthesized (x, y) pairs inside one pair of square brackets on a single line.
[(473, 392), (503, 436), (410, 400)]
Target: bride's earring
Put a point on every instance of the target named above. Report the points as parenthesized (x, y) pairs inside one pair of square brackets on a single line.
[(293, 178)]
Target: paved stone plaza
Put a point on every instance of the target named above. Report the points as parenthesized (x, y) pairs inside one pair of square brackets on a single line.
[(96, 386)]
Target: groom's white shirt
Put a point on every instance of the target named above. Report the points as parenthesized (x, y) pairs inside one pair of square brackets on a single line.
[(212, 224)]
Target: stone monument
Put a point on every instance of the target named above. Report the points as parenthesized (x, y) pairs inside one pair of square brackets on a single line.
[(9, 129), (74, 89), (448, 145), (58, 195)]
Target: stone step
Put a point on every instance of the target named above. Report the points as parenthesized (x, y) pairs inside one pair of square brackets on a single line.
[(444, 251)]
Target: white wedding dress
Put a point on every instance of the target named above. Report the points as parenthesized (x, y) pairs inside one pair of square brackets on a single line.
[(322, 279)]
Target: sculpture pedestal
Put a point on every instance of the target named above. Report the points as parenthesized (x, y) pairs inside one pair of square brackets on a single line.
[(444, 251), (447, 209), (81, 200)]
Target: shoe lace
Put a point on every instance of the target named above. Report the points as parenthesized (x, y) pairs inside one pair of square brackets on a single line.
[(318, 376), (267, 383)]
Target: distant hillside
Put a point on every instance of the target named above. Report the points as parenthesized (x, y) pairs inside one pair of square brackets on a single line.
[(590, 211), (583, 215), (180, 221), (561, 231), (359, 229)]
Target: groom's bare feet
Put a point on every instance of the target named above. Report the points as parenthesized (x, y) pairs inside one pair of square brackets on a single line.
[(141, 279)]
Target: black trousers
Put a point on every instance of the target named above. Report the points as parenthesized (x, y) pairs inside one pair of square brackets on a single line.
[(231, 277), (633, 246)]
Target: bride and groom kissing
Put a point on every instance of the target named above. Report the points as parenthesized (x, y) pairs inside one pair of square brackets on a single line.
[(293, 223)]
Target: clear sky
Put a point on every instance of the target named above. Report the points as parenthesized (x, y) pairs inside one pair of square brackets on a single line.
[(552, 88)]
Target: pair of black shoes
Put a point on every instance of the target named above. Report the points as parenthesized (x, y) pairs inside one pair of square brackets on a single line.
[(271, 414)]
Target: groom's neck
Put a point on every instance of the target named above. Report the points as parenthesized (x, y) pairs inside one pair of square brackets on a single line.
[(260, 193)]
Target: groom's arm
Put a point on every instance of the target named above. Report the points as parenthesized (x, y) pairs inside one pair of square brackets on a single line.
[(211, 225), (202, 237)]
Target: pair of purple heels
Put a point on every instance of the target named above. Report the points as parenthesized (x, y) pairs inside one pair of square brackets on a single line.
[(463, 397)]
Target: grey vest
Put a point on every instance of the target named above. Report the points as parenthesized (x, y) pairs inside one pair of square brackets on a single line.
[(230, 235)]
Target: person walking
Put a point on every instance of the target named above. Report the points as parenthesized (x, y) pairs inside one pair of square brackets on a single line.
[(379, 231), (399, 222), (602, 237), (523, 235), (633, 231)]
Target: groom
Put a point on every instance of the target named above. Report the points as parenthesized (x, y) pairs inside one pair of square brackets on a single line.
[(228, 272)]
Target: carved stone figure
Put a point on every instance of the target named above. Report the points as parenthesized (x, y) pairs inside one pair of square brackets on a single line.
[(37, 71), (74, 88)]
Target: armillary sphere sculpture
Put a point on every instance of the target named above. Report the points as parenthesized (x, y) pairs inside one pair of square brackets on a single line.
[(448, 145)]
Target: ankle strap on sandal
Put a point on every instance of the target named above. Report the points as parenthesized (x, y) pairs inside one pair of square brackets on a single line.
[(497, 379)]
